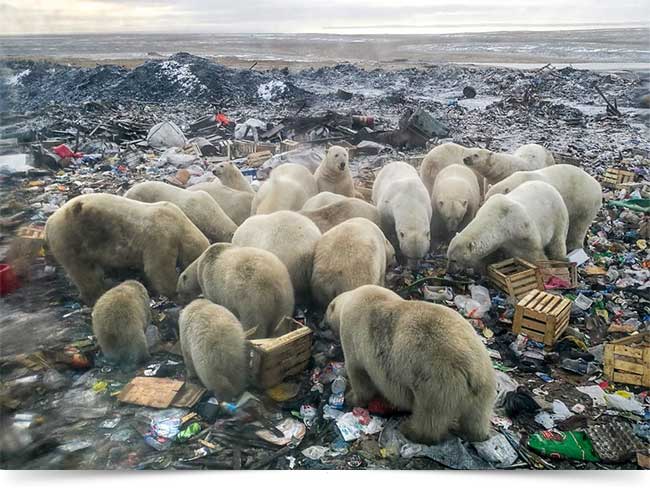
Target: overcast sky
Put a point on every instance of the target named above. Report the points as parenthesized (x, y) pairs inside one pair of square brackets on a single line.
[(324, 16)]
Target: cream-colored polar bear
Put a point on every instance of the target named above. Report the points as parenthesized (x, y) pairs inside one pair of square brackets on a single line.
[(535, 154), (321, 200), (289, 236), (404, 208), (120, 318), (455, 198), (214, 349), (582, 195), (497, 166), (421, 357), (251, 283), (288, 188), (442, 156), (531, 222), (235, 203), (347, 208), (199, 207), (231, 176), (96, 232), (333, 174), (349, 255)]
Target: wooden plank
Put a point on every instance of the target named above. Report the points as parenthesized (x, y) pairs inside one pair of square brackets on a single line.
[(526, 300), (157, 392), (627, 351), (620, 364), (608, 361), (626, 378), (561, 307), (282, 342), (536, 325), (531, 313), (547, 303), (534, 335)]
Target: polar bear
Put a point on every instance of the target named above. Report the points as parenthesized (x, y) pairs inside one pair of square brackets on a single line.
[(333, 173), (455, 198), (199, 207), (94, 232), (347, 256), (251, 283), (497, 166), (214, 348), (535, 154), (288, 188), (289, 236), (119, 320), (404, 208), (582, 195), (441, 157), (531, 222), (229, 175), (322, 199), (421, 357), (340, 211), (235, 203)]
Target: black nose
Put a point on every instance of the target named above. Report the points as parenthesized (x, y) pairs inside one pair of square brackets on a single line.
[(342, 166), (467, 160)]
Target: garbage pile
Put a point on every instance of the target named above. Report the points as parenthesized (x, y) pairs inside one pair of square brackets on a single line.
[(575, 403)]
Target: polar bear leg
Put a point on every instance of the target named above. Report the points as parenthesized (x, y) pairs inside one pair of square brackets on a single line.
[(362, 389), (189, 364), (89, 279), (556, 249), (578, 230), (474, 424), (160, 269), (429, 422)]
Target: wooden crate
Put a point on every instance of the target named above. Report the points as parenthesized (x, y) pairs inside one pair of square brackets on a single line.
[(565, 270), (542, 317), (628, 360), (616, 177), (288, 145), (255, 160), (271, 360), (515, 277)]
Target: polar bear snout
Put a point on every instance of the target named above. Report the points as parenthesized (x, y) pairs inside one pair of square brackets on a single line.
[(342, 166), (468, 160)]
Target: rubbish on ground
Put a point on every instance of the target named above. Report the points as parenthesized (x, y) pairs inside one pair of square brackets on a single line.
[(573, 445)]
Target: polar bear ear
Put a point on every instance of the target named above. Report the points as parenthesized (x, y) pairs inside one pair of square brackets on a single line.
[(470, 246), (463, 203), (441, 203)]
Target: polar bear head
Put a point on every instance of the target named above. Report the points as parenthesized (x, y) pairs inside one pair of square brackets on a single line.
[(414, 241), (221, 169), (452, 212), (336, 159), (479, 158)]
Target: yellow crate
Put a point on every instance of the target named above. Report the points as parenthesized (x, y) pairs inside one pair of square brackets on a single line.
[(628, 360), (542, 317), (616, 177), (515, 277)]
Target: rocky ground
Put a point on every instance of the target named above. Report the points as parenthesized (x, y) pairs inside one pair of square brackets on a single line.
[(58, 395)]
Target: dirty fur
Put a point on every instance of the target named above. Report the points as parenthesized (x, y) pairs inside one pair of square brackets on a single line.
[(582, 195), (235, 203), (119, 320), (349, 255), (97, 232), (213, 347), (498, 166), (199, 207), (251, 283), (531, 223), (441, 157), (289, 236), (404, 208), (288, 188), (330, 215), (333, 173), (421, 357), (455, 198)]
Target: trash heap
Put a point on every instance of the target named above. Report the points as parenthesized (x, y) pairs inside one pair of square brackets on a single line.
[(578, 399)]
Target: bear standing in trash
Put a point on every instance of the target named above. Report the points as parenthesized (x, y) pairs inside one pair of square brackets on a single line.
[(94, 232), (120, 318), (421, 357), (333, 173), (212, 342)]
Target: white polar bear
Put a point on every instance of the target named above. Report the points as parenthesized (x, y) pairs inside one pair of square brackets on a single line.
[(455, 198), (404, 208), (441, 157), (289, 236), (321, 200), (497, 166), (582, 195), (531, 222), (288, 188), (333, 174), (535, 154)]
